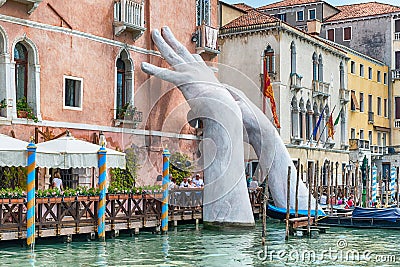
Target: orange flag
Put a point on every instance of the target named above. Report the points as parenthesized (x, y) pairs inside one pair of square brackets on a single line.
[(269, 93), (331, 130)]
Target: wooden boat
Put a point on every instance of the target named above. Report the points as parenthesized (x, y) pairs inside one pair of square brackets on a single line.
[(378, 218), (280, 213)]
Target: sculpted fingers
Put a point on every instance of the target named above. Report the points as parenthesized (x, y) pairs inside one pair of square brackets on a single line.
[(165, 49), (164, 74), (176, 45)]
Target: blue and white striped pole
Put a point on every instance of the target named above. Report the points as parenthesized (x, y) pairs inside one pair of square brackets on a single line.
[(30, 218), (392, 182), (101, 215), (165, 182), (374, 189)]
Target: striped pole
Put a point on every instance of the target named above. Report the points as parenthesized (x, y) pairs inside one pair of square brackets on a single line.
[(30, 219), (374, 177), (101, 216), (165, 182), (392, 182)]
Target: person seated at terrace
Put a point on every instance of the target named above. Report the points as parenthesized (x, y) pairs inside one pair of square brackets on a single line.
[(198, 181), (191, 184), (184, 183)]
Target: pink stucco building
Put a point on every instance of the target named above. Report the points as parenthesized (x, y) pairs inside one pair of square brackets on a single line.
[(77, 63)]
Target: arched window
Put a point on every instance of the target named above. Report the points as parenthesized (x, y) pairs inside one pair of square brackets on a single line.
[(269, 59), (21, 71), (309, 120), (341, 75), (325, 117), (26, 77), (124, 84), (4, 70), (293, 57), (295, 118), (315, 120), (315, 67), (320, 69), (302, 113), (121, 94)]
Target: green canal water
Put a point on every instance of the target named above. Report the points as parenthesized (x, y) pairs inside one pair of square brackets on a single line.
[(188, 246)]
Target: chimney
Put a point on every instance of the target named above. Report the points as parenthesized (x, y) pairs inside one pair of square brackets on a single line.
[(314, 27)]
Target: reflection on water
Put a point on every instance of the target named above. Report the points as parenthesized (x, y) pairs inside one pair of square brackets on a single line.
[(191, 247)]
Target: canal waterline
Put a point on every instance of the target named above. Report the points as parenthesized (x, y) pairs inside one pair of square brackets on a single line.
[(186, 246)]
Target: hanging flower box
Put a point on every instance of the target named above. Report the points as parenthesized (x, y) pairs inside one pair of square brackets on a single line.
[(69, 199), (11, 200), (93, 198), (112, 196)]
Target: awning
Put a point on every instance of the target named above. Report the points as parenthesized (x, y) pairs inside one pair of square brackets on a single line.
[(68, 152), (12, 151), (354, 99)]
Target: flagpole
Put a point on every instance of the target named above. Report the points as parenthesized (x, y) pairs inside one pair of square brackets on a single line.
[(316, 126), (325, 127)]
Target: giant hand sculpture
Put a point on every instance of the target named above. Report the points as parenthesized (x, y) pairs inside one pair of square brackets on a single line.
[(226, 200), (224, 111)]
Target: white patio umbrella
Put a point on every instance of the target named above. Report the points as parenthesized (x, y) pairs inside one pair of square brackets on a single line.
[(67, 152), (12, 151)]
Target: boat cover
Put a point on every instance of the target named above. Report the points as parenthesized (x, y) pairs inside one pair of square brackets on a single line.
[(293, 212), (388, 214)]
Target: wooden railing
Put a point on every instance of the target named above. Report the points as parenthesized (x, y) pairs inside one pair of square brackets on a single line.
[(60, 215)]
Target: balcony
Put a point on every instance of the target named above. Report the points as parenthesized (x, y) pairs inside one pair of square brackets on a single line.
[(397, 36), (344, 96), (370, 117), (378, 150), (361, 144), (396, 74), (206, 40), (397, 123), (129, 16), (320, 89), (32, 4), (295, 83)]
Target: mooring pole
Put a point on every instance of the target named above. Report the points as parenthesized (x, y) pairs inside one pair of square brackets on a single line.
[(374, 190), (392, 183), (316, 193), (397, 190), (264, 212), (328, 191), (30, 183), (309, 181), (165, 182), (288, 203), (296, 204), (101, 214), (336, 183)]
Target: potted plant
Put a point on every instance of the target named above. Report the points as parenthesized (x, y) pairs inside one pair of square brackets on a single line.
[(3, 108), (24, 110)]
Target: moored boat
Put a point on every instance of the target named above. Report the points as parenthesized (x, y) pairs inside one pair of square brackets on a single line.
[(379, 218), (280, 213)]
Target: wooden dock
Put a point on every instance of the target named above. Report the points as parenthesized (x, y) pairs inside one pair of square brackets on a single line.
[(68, 216)]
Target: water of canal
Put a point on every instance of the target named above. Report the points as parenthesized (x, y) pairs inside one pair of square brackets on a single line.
[(188, 246)]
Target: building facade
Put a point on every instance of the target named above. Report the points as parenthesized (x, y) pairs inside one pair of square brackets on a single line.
[(307, 76), (76, 66), (298, 12)]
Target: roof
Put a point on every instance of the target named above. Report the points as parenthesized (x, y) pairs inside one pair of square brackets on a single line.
[(243, 6), (363, 10), (252, 17), (285, 3)]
